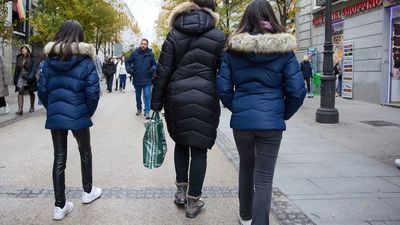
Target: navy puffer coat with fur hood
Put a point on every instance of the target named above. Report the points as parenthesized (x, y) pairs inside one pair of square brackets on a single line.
[(260, 81), (69, 89)]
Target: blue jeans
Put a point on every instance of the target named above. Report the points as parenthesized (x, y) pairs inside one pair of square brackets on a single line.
[(122, 81), (146, 92), (339, 86), (258, 151)]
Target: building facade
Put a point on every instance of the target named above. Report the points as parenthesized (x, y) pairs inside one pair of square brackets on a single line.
[(366, 41)]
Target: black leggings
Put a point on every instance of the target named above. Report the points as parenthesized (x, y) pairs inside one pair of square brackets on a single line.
[(60, 158), (198, 166)]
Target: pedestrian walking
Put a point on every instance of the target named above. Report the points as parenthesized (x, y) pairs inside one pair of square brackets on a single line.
[(306, 70), (121, 71), (185, 86), (109, 70), (69, 90), (116, 75), (337, 71), (141, 64), (261, 83), (4, 82), (24, 77), (99, 70)]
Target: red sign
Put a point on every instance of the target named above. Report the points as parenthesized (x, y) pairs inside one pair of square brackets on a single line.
[(349, 11)]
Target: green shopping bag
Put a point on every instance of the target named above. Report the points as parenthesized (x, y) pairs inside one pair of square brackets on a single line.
[(154, 143)]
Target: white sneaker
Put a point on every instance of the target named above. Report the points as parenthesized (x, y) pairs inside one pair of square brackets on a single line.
[(93, 195), (397, 162), (244, 222), (6, 109), (60, 213)]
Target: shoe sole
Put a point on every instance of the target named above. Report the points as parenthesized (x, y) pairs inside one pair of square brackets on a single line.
[(86, 203), (192, 216), (91, 201), (70, 210), (180, 203)]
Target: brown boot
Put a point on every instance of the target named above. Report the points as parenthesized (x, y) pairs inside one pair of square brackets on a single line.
[(194, 206), (32, 109), (180, 194), (20, 105)]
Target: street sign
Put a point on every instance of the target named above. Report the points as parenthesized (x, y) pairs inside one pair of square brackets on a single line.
[(347, 70)]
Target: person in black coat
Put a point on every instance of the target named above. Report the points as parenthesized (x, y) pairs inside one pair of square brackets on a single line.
[(337, 71), (24, 77), (109, 68), (185, 86), (306, 70)]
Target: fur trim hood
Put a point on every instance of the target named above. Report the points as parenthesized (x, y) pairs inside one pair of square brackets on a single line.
[(81, 48), (262, 43), (188, 7)]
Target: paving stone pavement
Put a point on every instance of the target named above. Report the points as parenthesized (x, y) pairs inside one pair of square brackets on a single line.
[(341, 174), (132, 194)]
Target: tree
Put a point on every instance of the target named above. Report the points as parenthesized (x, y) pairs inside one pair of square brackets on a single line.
[(156, 50), (231, 12), (163, 28), (6, 28), (102, 21), (287, 9)]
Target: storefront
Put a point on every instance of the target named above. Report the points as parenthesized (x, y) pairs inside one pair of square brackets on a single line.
[(361, 43), (394, 54)]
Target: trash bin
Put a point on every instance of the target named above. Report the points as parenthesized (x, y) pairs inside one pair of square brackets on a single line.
[(317, 82)]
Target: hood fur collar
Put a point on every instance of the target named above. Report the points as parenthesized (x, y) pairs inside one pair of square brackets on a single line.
[(262, 43), (81, 49), (188, 7)]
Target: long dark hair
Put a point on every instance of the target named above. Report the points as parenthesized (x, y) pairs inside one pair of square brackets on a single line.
[(206, 3), (256, 12), (71, 31), (24, 61)]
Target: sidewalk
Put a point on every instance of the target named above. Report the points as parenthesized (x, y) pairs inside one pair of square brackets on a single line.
[(132, 194), (339, 174), (335, 174), (12, 102)]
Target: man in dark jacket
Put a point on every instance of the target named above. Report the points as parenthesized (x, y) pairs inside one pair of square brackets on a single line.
[(109, 68), (141, 64)]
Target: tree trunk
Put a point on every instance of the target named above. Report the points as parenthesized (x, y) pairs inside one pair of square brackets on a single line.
[(284, 15), (228, 26)]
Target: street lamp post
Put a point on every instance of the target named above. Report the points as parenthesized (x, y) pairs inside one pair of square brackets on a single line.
[(27, 22), (327, 113)]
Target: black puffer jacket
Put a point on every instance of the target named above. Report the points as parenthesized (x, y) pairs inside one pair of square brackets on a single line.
[(186, 74)]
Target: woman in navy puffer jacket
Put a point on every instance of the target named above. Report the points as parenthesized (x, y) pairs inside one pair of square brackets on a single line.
[(69, 89), (261, 83)]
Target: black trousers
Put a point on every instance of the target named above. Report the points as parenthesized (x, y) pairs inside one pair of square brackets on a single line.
[(308, 84), (60, 158), (109, 83), (198, 166), (258, 152), (2, 102)]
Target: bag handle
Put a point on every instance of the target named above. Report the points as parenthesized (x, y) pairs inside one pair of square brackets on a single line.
[(155, 115)]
